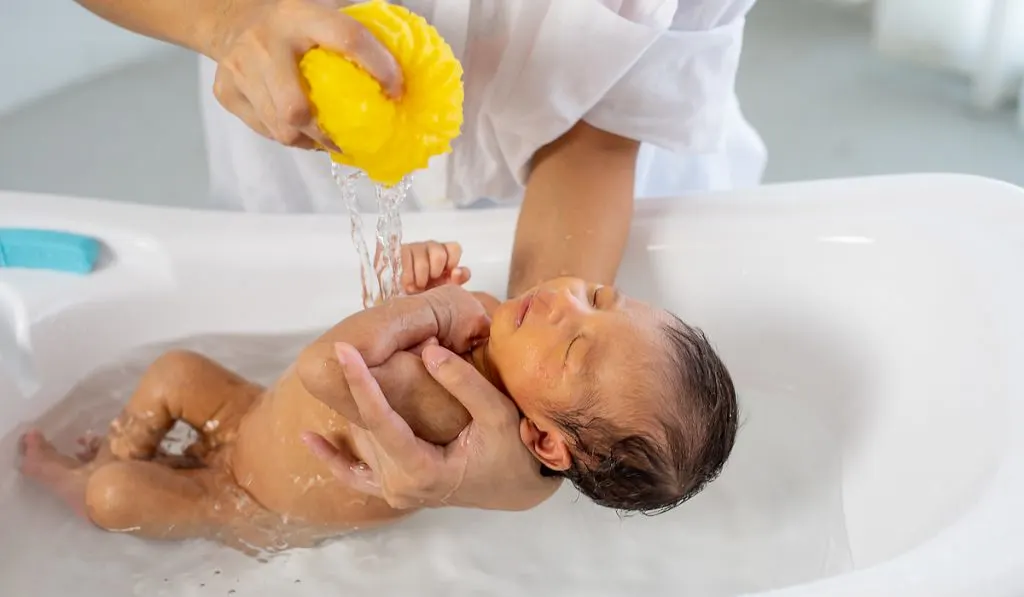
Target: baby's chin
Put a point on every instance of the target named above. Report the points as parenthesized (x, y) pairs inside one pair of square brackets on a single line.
[(481, 359)]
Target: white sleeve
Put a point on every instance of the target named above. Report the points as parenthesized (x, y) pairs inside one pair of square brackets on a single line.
[(677, 93), (645, 69)]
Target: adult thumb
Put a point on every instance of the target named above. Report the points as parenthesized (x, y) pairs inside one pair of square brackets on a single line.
[(343, 34), (485, 403)]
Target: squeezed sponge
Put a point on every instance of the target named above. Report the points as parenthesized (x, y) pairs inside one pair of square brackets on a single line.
[(386, 138)]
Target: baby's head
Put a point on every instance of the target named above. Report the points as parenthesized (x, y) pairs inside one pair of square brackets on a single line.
[(626, 401)]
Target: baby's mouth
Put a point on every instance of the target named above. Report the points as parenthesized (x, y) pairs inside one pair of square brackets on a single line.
[(524, 308)]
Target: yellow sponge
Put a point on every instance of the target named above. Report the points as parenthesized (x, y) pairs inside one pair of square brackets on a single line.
[(388, 139)]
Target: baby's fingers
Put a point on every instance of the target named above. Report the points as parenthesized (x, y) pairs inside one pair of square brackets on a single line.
[(420, 266), (443, 258), (460, 275), (408, 269)]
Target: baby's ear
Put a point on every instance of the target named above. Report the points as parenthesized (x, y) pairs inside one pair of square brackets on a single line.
[(547, 442)]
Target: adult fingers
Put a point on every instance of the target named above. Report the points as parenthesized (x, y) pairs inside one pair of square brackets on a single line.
[(293, 113), (343, 34), (233, 100), (292, 109), (418, 349), (390, 430), (282, 131), (343, 466), (485, 403)]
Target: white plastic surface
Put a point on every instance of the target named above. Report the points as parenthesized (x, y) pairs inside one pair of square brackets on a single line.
[(872, 326)]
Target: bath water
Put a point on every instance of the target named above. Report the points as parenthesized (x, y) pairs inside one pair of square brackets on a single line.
[(381, 277), (773, 519)]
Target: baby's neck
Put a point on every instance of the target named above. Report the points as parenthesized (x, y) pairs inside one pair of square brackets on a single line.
[(481, 361)]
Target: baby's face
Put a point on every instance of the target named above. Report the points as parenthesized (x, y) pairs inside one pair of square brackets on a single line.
[(567, 341)]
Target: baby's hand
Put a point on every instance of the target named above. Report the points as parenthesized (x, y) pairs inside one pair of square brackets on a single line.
[(431, 264)]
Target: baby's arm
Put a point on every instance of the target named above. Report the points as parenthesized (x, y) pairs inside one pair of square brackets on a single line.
[(430, 264), (430, 410), (381, 335)]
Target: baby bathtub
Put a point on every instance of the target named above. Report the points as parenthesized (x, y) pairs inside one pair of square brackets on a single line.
[(872, 327)]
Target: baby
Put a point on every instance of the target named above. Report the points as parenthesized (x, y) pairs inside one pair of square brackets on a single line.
[(624, 400)]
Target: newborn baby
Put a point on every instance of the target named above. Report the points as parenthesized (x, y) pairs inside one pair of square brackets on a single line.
[(624, 400)]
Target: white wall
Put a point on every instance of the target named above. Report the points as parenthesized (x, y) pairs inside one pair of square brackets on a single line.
[(948, 34), (48, 44), (981, 38)]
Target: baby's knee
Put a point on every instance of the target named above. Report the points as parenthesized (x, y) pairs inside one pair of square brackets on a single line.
[(112, 497), (178, 365)]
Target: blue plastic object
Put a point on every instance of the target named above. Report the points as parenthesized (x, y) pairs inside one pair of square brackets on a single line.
[(48, 249)]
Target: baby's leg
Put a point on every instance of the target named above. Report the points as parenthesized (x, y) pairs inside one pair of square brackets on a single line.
[(141, 498), (65, 476), (186, 386)]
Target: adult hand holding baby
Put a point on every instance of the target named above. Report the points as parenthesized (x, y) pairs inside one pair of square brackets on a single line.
[(486, 466), (257, 51)]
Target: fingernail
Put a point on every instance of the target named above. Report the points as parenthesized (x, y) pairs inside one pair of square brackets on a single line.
[(439, 357), (310, 439)]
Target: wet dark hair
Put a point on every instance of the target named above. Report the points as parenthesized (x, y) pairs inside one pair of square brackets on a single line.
[(630, 470)]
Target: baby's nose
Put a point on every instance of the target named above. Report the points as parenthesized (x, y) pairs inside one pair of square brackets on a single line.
[(564, 303)]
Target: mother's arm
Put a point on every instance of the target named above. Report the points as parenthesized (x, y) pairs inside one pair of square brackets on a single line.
[(577, 210)]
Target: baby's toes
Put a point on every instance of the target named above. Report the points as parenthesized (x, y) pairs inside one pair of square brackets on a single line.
[(36, 452), (31, 442)]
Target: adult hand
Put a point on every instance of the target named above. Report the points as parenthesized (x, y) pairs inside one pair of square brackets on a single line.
[(258, 77), (487, 466)]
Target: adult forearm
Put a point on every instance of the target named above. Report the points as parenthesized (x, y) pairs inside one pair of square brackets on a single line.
[(200, 25), (577, 210)]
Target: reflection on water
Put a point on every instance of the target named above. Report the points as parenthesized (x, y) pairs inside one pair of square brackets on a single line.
[(774, 518)]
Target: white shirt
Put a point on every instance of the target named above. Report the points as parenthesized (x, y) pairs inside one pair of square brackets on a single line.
[(659, 71)]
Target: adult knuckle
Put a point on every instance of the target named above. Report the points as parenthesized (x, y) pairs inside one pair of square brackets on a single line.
[(296, 112), (287, 135), (220, 87)]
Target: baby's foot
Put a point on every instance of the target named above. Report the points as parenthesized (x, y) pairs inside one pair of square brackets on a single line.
[(42, 462), (39, 459)]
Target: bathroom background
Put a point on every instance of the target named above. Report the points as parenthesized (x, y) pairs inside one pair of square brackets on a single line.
[(836, 88)]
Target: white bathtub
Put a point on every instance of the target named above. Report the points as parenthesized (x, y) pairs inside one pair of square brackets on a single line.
[(872, 327)]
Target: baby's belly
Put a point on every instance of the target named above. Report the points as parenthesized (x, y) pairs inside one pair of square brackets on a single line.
[(271, 463)]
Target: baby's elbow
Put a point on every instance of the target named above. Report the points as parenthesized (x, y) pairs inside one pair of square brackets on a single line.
[(322, 377), (316, 367)]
